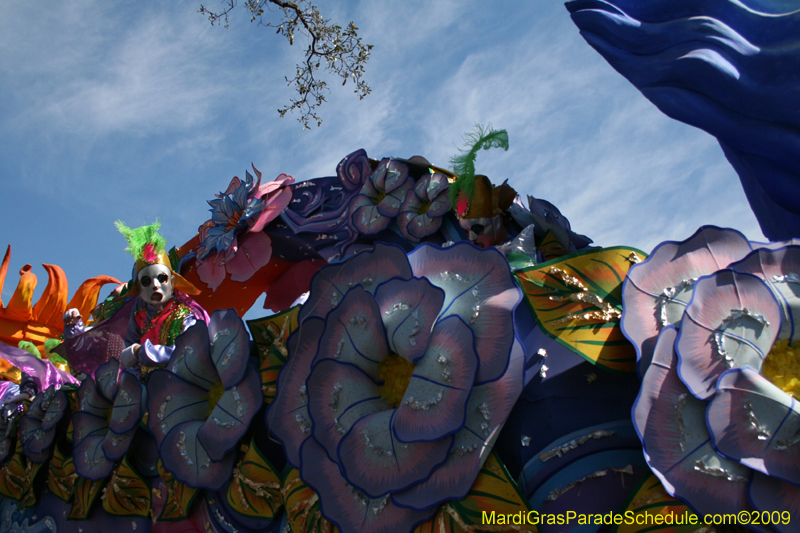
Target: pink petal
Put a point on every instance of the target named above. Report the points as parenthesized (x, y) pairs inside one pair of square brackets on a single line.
[(253, 254), (281, 181), (211, 271), (274, 204), (235, 182)]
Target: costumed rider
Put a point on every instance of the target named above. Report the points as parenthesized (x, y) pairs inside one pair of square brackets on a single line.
[(496, 216), (481, 207), (481, 216), (163, 309)]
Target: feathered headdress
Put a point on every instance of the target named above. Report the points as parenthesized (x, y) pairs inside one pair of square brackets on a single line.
[(148, 247), (144, 244), (474, 196)]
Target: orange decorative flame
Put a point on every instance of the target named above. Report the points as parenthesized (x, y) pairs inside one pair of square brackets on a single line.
[(20, 320)]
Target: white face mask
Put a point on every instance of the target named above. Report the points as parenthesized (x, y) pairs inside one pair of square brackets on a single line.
[(155, 283)]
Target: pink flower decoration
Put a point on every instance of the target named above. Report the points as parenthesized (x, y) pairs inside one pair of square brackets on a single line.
[(232, 242), (241, 261), (275, 196)]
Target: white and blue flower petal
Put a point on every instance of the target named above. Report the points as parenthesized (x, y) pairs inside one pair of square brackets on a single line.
[(732, 321), (435, 402), (754, 422), (408, 310)]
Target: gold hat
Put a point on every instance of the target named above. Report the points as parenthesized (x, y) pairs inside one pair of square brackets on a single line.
[(487, 200)]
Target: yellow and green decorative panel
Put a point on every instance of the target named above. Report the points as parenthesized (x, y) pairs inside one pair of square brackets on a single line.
[(61, 475), (127, 494), (649, 500), (577, 300), (269, 335), (550, 247), (492, 500), (302, 506), (255, 490), (17, 476), (179, 497), (86, 493)]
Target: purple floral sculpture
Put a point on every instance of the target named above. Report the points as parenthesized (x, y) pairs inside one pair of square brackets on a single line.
[(37, 427), (423, 208), (109, 410), (232, 241), (381, 197), (201, 405), (401, 373), (321, 206), (716, 411)]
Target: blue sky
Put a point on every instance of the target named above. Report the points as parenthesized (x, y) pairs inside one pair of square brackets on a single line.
[(137, 110)]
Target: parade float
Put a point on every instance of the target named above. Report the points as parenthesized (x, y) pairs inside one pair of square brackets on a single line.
[(437, 353)]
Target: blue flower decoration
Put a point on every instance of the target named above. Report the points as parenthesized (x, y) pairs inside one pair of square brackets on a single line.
[(401, 373), (202, 403), (716, 412)]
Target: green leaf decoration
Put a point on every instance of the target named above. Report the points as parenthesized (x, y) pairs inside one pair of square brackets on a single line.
[(30, 348), (127, 494), (303, 511), (269, 335), (174, 258), (493, 494), (13, 476), (111, 305), (179, 497), (550, 247), (86, 493), (255, 490), (17, 477), (577, 300), (649, 497), (61, 475)]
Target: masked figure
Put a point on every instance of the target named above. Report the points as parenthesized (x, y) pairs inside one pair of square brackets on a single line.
[(163, 308), (481, 215)]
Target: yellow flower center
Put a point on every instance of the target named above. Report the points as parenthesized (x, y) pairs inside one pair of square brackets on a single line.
[(381, 196), (424, 208), (214, 395), (782, 367), (396, 374)]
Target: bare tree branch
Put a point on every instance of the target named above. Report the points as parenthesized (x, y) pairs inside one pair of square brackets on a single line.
[(336, 50)]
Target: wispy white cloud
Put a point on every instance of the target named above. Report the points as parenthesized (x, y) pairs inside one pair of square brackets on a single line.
[(135, 111)]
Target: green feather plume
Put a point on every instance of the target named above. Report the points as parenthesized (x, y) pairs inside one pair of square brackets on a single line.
[(464, 163), (139, 237)]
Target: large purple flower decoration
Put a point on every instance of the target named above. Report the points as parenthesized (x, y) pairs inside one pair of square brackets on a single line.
[(657, 291), (422, 211), (110, 407), (381, 196), (716, 411), (37, 427), (201, 405), (401, 374)]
